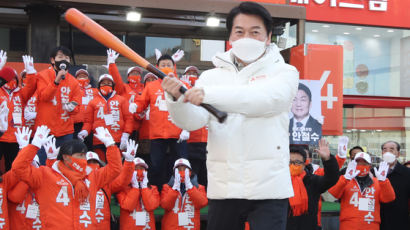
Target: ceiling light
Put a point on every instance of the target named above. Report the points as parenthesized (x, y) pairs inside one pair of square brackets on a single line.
[(376, 36), (325, 26), (362, 130), (390, 31), (212, 21), (347, 33), (359, 28), (133, 16), (315, 31), (378, 130)]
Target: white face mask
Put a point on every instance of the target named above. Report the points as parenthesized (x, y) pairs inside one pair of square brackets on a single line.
[(389, 157), (248, 49)]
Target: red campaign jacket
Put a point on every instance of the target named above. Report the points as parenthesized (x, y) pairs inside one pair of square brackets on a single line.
[(126, 91), (191, 203), (20, 197), (160, 125), (15, 104), (9, 180), (353, 213), (87, 95), (102, 214), (59, 209), (50, 99), (134, 200), (98, 108), (199, 135)]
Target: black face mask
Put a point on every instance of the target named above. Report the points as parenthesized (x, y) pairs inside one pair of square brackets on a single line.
[(63, 64)]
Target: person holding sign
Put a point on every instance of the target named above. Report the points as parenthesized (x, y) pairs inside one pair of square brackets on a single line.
[(109, 110), (361, 194), (182, 198)]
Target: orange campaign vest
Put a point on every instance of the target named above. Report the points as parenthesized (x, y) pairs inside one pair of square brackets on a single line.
[(16, 104), (9, 181)]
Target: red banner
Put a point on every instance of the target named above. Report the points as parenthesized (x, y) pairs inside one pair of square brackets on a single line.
[(324, 63), (390, 13)]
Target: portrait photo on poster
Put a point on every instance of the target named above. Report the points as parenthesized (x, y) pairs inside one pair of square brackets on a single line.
[(305, 126)]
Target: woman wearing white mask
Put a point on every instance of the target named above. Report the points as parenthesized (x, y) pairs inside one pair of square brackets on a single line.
[(394, 215), (248, 155)]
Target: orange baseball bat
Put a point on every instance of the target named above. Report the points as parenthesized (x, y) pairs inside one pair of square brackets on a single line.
[(103, 36)]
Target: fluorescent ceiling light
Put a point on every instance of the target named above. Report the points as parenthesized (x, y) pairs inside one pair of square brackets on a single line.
[(212, 21), (133, 16), (376, 36), (315, 31), (347, 33), (390, 31), (325, 26), (359, 28)]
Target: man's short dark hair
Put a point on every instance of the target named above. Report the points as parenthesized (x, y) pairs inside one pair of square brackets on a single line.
[(298, 150), (356, 147), (165, 57), (70, 147), (305, 89), (250, 8), (66, 51), (395, 142)]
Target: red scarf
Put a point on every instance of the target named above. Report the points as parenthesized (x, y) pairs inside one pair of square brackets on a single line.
[(77, 180), (299, 202)]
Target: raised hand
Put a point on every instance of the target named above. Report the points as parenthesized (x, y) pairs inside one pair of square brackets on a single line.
[(323, 150), (177, 181), (351, 171), (104, 136), (381, 173), (23, 136), (132, 147), (41, 136), (29, 64), (111, 56), (51, 150)]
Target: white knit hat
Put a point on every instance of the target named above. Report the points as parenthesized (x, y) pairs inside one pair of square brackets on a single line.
[(182, 161)]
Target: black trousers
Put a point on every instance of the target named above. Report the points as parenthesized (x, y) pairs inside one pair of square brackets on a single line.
[(261, 214), (9, 151)]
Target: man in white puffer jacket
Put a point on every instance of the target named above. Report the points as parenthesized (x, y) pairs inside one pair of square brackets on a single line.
[(248, 155)]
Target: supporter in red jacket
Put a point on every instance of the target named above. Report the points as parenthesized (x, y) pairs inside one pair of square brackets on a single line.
[(361, 195), (62, 191), (138, 200), (162, 132), (15, 98), (87, 95), (110, 110), (182, 198)]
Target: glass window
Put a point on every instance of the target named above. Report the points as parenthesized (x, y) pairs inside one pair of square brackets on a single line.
[(13, 39), (375, 58), (371, 127)]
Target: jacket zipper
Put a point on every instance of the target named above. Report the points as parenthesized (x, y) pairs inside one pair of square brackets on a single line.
[(236, 69)]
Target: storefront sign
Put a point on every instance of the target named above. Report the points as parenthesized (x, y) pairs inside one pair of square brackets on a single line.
[(388, 13), (324, 63)]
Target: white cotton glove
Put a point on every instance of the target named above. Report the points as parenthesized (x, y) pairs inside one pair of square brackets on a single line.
[(3, 58), (132, 108), (4, 116), (124, 140), (104, 136), (29, 64), (188, 183), (185, 78), (41, 136), (23, 136), (351, 171), (69, 107), (177, 56), (144, 183), (134, 180), (183, 136), (381, 173), (111, 56), (82, 134), (177, 181), (342, 146), (29, 115), (51, 150), (129, 155)]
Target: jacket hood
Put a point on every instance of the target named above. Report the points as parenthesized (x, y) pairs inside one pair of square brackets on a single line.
[(225, 60)]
